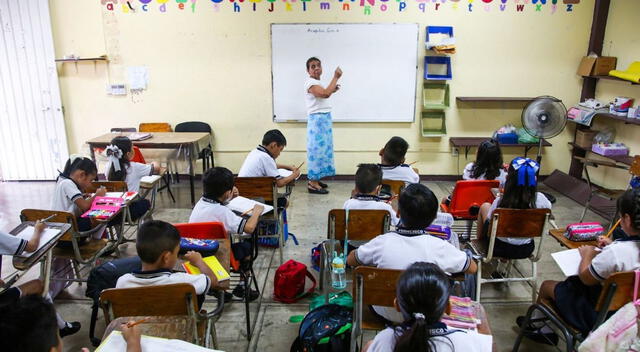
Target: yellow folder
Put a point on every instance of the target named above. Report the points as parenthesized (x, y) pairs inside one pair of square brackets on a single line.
[(213, 263)]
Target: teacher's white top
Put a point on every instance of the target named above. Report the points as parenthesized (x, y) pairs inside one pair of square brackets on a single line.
[(314, 104)]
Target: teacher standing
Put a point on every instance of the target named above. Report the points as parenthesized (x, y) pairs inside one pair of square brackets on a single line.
[(319, 131)]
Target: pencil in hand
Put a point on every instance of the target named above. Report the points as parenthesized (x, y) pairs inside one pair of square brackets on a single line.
[(132, 324)]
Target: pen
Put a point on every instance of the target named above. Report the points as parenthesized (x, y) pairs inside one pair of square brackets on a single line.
[(412, 163), (130, 325), (48, 218), (299, 166)]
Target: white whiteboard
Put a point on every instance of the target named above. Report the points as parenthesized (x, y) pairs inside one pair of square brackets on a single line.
[(379, 62)]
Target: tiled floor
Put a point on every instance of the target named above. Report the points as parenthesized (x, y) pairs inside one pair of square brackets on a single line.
[(270, 319)]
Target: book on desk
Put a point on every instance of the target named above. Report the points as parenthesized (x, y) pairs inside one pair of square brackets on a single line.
[(213, 264), (27, 233)]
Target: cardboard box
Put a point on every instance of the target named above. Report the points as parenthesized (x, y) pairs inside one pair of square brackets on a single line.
[(584, 138), (600, 66)]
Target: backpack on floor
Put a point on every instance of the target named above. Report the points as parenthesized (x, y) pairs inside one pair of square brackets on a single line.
[(288, 285), (103, 277), (325, 329)]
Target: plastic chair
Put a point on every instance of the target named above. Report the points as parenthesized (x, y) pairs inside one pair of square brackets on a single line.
[(154, 127), (216, 230), (206, 153), (519, 223), (373, 286), (466, 199), (617, 291), (137, 156), (164, 300), (363, 225)]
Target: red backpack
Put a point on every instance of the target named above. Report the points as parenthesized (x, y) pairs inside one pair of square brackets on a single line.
[(289, 282)]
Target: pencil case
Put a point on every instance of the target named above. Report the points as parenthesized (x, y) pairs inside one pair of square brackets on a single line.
[(584, 231), (202, 246), (441, 232)]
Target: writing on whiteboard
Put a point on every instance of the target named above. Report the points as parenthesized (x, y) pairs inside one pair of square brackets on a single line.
[(323, 30)]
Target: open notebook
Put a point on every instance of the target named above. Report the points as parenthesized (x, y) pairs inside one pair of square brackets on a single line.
[(46, 236), (116, 343), (241, 205)]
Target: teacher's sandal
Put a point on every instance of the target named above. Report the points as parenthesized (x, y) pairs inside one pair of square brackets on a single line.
[(312, 190)]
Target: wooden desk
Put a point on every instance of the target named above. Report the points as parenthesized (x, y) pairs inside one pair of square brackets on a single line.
[(191, 142), (23, 264), (168, 327), (223, 255), (558, 234)]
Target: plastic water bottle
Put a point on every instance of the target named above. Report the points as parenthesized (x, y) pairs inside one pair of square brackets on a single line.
[(338, 280)]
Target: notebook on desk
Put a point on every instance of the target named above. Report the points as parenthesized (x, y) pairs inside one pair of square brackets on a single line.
[(47, 235), (116, 343), (242, 205), (213, 264)]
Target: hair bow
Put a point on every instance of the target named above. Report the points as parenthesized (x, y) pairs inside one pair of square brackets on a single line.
[(114, 154), (526, 168), (418, 316)]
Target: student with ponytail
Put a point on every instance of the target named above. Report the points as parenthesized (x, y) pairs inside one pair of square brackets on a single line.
[(422, 297), (488, 164), (575, 298), (120, 168)]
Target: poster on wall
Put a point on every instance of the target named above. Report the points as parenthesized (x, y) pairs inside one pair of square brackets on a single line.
[(355, 6)]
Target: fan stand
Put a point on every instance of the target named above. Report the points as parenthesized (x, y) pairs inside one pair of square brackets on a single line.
[(549, 196)]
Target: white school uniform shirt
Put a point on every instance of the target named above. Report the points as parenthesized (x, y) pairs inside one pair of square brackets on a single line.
[(394, 251), (541, 202), (65, 195), (360, 203), (456, 340), (620, 255), (466, 175), (315, 104), (259, 163), (11, 245), (200, 282), (402, 172), (207, 210), (135, 172)]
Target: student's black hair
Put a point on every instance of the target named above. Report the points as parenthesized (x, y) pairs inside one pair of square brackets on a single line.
[(80, 163), (274, 136), (515, 196), (124, 144), (368, 177), (310, 60), (154, 238), (422, 290), (216, 181), (488, 160), (28, 325), (629, 203), (395, 150), (418, 206)]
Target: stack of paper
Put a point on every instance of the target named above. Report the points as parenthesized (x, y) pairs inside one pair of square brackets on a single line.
[(139, 136), (116, 343), (568, 261), (286, 173), (242, 205)]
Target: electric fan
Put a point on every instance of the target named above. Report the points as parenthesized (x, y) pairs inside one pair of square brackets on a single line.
[(544, 117)]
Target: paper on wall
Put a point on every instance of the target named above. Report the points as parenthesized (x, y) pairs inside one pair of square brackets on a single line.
[(138, 77)]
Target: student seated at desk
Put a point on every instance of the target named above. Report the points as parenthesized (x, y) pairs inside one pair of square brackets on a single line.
[(488, 164), (410, 243), (422, 297), (365, 195), (77, 176), (575, 298), (261, 162), (30, 325), (392, 162), (519, 193), (158, 243), (120, 168), (217, 183), (12, 245)]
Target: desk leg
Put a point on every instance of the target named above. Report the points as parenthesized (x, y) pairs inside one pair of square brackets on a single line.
[(191, 174), (45, 272)]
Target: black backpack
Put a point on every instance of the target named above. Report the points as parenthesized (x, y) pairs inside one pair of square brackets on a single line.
[(325, 329), (103, 277)]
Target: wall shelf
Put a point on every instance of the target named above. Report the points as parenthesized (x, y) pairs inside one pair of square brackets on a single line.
[(494, 99), (611, 78), (624, 159), (624, 119), (84, 59)]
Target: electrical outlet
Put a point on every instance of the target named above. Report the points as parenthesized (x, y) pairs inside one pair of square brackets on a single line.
[(454, 151)]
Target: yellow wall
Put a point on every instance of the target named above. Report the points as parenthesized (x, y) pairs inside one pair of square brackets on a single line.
[(215, 67), (622, 41)]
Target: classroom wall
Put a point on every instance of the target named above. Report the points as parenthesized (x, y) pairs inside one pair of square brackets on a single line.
[(214, 66), (621, 40)]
